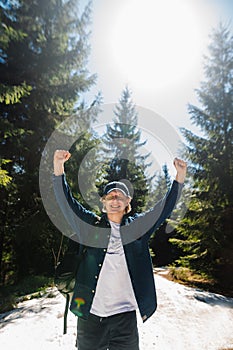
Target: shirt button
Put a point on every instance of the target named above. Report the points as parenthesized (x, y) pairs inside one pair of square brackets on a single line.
[(93, 291), (105, 250), (96, 277), (100, 264)]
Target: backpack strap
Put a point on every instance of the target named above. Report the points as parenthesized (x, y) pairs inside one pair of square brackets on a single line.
[(66, 313)]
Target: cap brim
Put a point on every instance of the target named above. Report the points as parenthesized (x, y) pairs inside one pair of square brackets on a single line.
[(117, 189)]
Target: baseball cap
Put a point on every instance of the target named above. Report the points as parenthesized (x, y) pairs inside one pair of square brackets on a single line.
[(116, 185)]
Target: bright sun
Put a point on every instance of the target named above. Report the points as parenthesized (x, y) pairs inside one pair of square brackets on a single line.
[(156, 43)]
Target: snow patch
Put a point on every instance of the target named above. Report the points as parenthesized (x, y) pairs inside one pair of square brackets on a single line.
[(186, 319)]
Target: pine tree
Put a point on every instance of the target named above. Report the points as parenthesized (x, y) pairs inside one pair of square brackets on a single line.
[(122, 147), (207, 228), (43, 55)]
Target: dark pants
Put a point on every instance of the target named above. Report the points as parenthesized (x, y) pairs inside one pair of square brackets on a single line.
[(117, 332)]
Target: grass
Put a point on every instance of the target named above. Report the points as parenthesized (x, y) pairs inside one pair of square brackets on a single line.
[(28, 288), (191, 278)]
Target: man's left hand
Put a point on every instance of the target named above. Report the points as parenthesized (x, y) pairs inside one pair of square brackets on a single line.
[(181, 168)]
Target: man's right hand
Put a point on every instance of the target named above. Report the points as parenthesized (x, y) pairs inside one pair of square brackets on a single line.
[(60, 157)]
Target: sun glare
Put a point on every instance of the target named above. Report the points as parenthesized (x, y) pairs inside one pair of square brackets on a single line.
[(156, 43)]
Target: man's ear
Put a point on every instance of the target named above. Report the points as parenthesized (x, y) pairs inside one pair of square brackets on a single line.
[(129, 200)]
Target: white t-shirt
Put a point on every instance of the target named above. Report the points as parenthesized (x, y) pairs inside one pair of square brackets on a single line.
[(114, 291)]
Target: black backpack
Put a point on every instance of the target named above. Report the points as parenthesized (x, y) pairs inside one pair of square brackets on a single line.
[(65, 273)]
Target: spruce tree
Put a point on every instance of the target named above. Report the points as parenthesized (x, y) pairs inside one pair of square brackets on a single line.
[(43, 56), (122, 142), (207, 227)]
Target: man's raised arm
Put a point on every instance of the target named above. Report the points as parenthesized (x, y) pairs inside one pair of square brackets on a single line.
[(60, 157)]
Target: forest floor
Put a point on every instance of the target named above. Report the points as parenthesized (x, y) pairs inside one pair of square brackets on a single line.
[(186, 319)]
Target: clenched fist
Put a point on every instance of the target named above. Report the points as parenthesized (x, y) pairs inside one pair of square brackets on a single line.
[(181, 168), (60, 157)]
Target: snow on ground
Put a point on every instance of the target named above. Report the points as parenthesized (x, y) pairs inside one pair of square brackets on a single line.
[(186, 319)]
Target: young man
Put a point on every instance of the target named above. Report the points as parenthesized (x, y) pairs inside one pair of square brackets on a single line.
[(115, 276)]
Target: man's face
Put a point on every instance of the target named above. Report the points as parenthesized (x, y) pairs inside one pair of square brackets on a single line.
[(115, 202)]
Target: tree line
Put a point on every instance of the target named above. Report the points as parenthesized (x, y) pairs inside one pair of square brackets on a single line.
[(44, 48)]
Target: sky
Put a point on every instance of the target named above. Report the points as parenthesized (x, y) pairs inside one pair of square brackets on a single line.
[(156, 48)]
